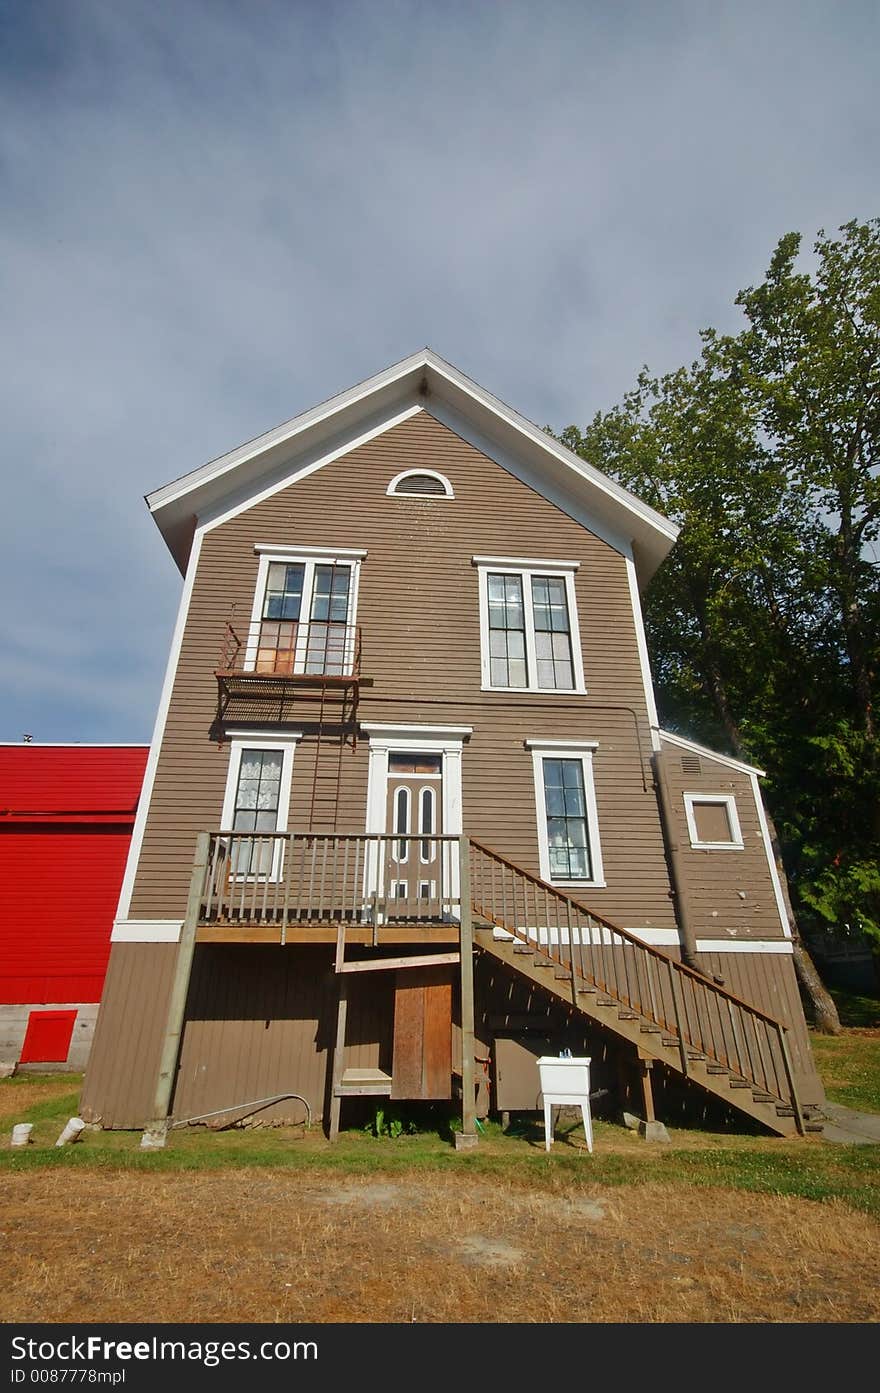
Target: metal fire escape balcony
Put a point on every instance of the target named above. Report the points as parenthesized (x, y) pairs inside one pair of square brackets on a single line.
[(272, 670)]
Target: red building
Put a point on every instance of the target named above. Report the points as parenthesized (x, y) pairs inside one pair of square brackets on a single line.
[(66, 817)]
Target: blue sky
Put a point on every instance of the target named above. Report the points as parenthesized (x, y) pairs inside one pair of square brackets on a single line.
[(215, 214)]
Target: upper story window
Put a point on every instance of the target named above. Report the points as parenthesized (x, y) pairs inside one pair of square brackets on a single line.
[(420, 483), (304, 611), (528, 625)]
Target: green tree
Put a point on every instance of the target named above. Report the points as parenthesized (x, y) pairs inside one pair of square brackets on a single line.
[(763, 622)]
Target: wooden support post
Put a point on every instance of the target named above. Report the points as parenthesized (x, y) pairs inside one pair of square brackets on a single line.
[(645, 1066), (157, 1130), (338, 1059), (466, 936)]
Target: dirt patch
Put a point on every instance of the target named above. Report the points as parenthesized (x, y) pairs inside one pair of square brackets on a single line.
[(306, 1246)]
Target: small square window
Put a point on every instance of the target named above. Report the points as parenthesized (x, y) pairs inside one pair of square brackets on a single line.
[(713, 824)]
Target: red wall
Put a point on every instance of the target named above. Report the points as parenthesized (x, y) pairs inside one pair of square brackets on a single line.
[(66, 815)]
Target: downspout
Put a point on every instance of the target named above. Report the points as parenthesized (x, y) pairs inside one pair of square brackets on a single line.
[(681, 900)]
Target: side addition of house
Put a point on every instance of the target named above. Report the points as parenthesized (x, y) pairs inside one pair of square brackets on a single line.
[(408, 820)]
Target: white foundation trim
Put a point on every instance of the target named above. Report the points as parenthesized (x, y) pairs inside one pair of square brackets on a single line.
[(656, 938), (146, 931)]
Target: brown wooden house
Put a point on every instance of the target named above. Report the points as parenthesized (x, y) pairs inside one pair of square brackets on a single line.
[(408, 819)]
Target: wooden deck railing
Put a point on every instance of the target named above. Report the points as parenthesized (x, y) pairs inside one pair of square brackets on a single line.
[(281, 878), (703, 1018), (294, 878)]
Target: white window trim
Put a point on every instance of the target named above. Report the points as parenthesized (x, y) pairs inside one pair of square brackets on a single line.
[(310, 557), (394, 491), (255, 740), (562, 570), (727, 800), (582, 750)]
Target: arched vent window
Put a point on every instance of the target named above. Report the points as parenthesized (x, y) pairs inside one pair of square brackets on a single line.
[(420, 483)]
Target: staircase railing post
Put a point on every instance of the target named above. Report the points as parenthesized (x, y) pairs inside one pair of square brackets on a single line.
[(789, 1074), (677, 1008), (156, 1131), (466, 952)]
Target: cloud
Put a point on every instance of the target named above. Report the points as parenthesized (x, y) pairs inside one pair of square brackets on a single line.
[(217, 214)]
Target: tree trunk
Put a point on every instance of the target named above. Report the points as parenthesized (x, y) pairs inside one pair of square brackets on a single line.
[(824, 1011)]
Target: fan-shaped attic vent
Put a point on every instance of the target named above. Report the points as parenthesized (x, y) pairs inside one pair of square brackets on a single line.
[(421, 483)]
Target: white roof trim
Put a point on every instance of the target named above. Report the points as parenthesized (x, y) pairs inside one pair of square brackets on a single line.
[(710, 754), (291, 549), (422, 378)]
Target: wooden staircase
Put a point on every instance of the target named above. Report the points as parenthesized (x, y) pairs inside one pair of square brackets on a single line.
[(670, 1013)]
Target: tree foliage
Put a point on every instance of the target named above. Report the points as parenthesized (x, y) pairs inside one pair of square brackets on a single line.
[(764, 623)]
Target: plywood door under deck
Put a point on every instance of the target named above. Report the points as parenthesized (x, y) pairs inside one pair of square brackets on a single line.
[(422, 1061)]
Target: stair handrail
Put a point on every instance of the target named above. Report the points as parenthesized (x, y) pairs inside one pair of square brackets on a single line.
[(700, 980)]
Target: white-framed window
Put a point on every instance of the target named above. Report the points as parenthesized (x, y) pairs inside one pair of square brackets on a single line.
[(303, 615), (568, 819), (256, 802), (713, 822), (529, 633), (420, 483)]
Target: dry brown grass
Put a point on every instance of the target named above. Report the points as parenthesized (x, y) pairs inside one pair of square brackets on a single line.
[(309, 1246), (19, 1095)]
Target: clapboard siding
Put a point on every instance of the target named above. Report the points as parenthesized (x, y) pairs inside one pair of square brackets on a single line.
[(730, 892), (419, 613)]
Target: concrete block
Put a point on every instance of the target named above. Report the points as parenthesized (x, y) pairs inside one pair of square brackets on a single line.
[(466, 1141), (653, 1131)]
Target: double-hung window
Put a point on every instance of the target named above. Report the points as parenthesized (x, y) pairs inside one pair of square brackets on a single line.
[(256, 803), (303, 614), (528, 625), (568, 823)]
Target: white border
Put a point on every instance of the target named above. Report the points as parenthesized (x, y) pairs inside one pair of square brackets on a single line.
[(447, 741), (526, 571), (310, 557), (524, 563), (257, 741), (146, 795), (393, 491), (710, 754), (660, 938), (726, 800), (771, 859), (642, 646), (567, 749), (146, 931)]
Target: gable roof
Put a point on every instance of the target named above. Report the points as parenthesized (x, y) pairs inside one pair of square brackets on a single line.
[(425, 381)]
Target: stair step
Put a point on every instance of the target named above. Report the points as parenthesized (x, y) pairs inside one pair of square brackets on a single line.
[(627, 1015), (651, 1030), (762, 1097), (784, 1112), (814, 1126), (605, 1001), (738, 1083), (669, 1042), (716, 1069), (522, 948), (563, 976), (696, 1054), (586, 991)]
